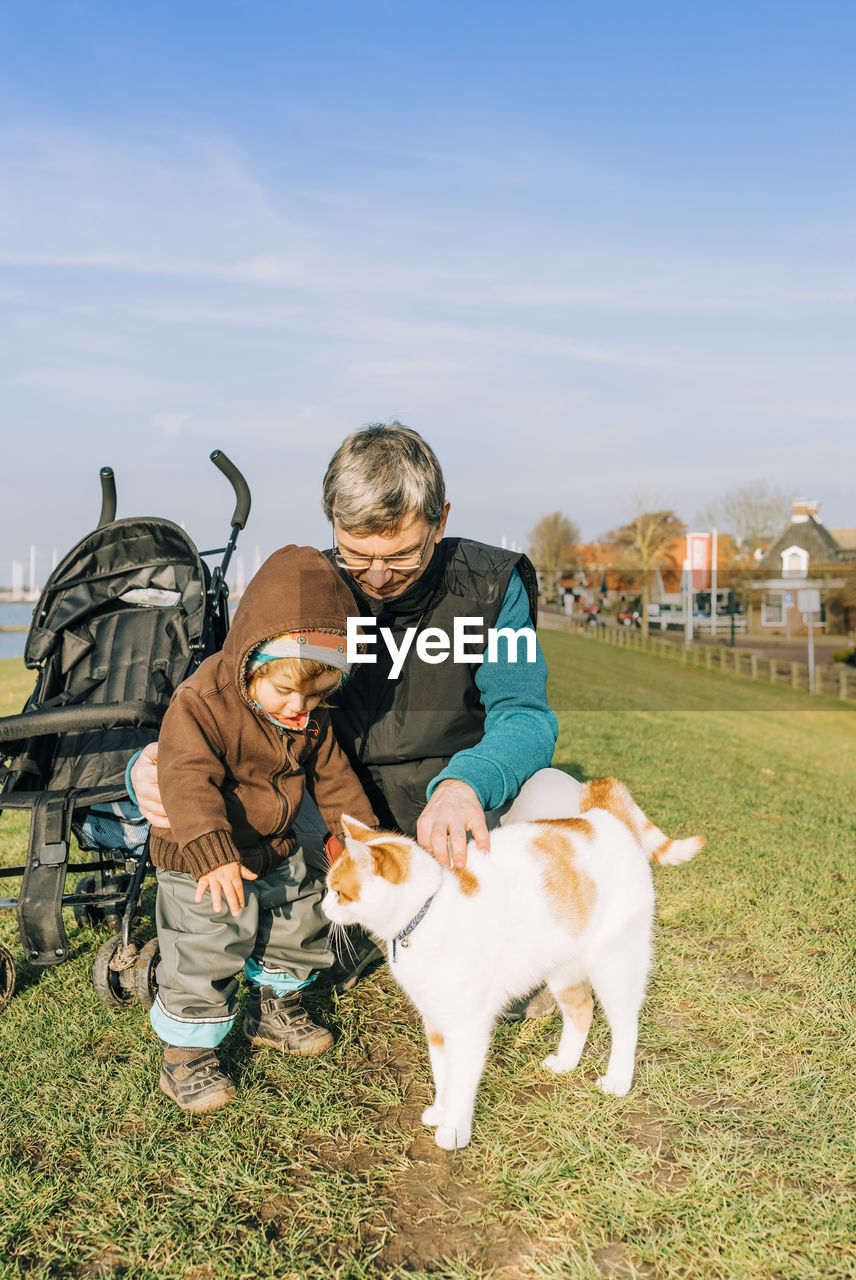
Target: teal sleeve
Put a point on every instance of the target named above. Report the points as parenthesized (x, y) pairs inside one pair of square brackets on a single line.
[(520, 729), (129, 787)]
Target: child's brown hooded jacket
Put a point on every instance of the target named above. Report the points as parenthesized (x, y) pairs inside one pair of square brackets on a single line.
[(230, 779)]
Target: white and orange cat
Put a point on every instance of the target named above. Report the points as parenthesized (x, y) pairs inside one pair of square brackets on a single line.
[(567, 901)]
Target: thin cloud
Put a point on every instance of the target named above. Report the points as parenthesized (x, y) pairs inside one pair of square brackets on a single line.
[(189, 207), (226, 316)]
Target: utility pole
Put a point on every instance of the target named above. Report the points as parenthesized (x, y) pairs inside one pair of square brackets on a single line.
[(713, 583)]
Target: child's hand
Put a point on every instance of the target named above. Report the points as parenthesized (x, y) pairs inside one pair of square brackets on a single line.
[(228, 880)]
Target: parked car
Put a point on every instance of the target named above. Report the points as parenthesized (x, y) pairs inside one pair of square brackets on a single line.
[(589, 610), (629, 617)]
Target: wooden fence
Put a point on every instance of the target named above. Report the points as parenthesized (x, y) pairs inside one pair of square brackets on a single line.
[(839, 681)]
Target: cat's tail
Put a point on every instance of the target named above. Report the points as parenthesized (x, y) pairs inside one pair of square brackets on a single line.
[(612, 795)]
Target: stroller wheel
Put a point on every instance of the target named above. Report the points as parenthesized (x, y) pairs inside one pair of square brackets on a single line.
[(145, 983), (7, 976), (88, 915), (118, 882), (113, 973), (85, 915)]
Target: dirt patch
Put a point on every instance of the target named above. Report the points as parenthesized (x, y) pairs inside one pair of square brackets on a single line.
[(614, 1260), (681, 1025), (712, 1104), (436, 1213), (732, 942), (668, 1176), (355, 1159), (442, 1214), (405, 1058), (527, 1093), (110, 1048), (109, 1261), (651, 1130), (403, 1116), (42, 1160), (134, 1128), (753, 981), (684, 1026), (654, 1132)]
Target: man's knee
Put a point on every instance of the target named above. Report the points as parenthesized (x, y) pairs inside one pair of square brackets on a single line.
[(549, 793)]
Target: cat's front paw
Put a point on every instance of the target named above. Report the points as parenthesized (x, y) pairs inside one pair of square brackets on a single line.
[(433, 1115), (555, 1064), (451, 1139), (616, 1086)]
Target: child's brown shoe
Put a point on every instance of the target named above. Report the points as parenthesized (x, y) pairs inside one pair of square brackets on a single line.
[(194, 1080), (281, 1022)]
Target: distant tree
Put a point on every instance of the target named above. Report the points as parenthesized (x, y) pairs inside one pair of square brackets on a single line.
[(643, 545), (841, 605), (551, 547), (753, 514)]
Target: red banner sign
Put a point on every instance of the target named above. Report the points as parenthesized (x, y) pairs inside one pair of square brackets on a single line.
[(698, 555)]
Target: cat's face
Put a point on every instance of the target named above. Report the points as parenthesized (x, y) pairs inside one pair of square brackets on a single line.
[(361, 885)]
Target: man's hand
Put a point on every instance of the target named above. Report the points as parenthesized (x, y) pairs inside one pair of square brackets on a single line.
[(144, 779), (227, 879), (452, 811)]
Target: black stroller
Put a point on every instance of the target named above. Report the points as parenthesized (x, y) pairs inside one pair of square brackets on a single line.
[(124, 618)]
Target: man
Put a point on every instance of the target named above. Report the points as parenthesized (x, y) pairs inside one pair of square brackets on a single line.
[(445, 744)]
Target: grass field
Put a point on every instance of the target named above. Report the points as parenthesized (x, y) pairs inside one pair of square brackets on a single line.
[(733, 1156)]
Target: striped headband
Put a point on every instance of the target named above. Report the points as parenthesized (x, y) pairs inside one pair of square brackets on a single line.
[(320, 646)]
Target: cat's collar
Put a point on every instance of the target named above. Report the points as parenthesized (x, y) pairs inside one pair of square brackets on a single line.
[(408, 929)]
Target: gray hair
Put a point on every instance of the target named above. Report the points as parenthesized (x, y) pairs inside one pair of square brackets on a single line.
[(381, 477)]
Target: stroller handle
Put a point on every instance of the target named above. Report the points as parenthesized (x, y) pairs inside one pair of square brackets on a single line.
[(239, 484), (56, 720), (108, 497)]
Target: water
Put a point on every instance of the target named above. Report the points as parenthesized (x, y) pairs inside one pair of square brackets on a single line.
[(14, 615)]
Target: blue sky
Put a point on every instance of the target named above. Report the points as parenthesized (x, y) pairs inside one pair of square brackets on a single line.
[(588, 251)]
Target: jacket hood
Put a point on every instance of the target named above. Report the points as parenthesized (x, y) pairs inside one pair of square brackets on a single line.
[(296, 589)]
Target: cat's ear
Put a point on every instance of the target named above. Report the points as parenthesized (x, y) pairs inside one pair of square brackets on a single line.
[(391, 859), (355, 830)]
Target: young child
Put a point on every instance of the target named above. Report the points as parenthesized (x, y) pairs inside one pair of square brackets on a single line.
[(242, 739)]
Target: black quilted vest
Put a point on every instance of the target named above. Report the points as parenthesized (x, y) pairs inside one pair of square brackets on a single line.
[(400, 733)]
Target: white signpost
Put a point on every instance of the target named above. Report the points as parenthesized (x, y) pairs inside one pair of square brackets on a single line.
[(696, 576), (808, 603), (713, 581)]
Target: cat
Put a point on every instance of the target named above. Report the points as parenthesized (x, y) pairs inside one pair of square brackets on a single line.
[(566, 901)]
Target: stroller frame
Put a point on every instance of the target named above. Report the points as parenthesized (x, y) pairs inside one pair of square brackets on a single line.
[(72, 741)]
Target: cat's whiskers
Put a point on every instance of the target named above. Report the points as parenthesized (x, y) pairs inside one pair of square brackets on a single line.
[(340, 943)]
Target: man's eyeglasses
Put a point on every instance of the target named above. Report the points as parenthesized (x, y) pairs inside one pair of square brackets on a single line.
[(357, 564)]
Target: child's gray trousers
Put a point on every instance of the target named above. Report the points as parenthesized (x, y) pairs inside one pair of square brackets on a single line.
[(279, 940)]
